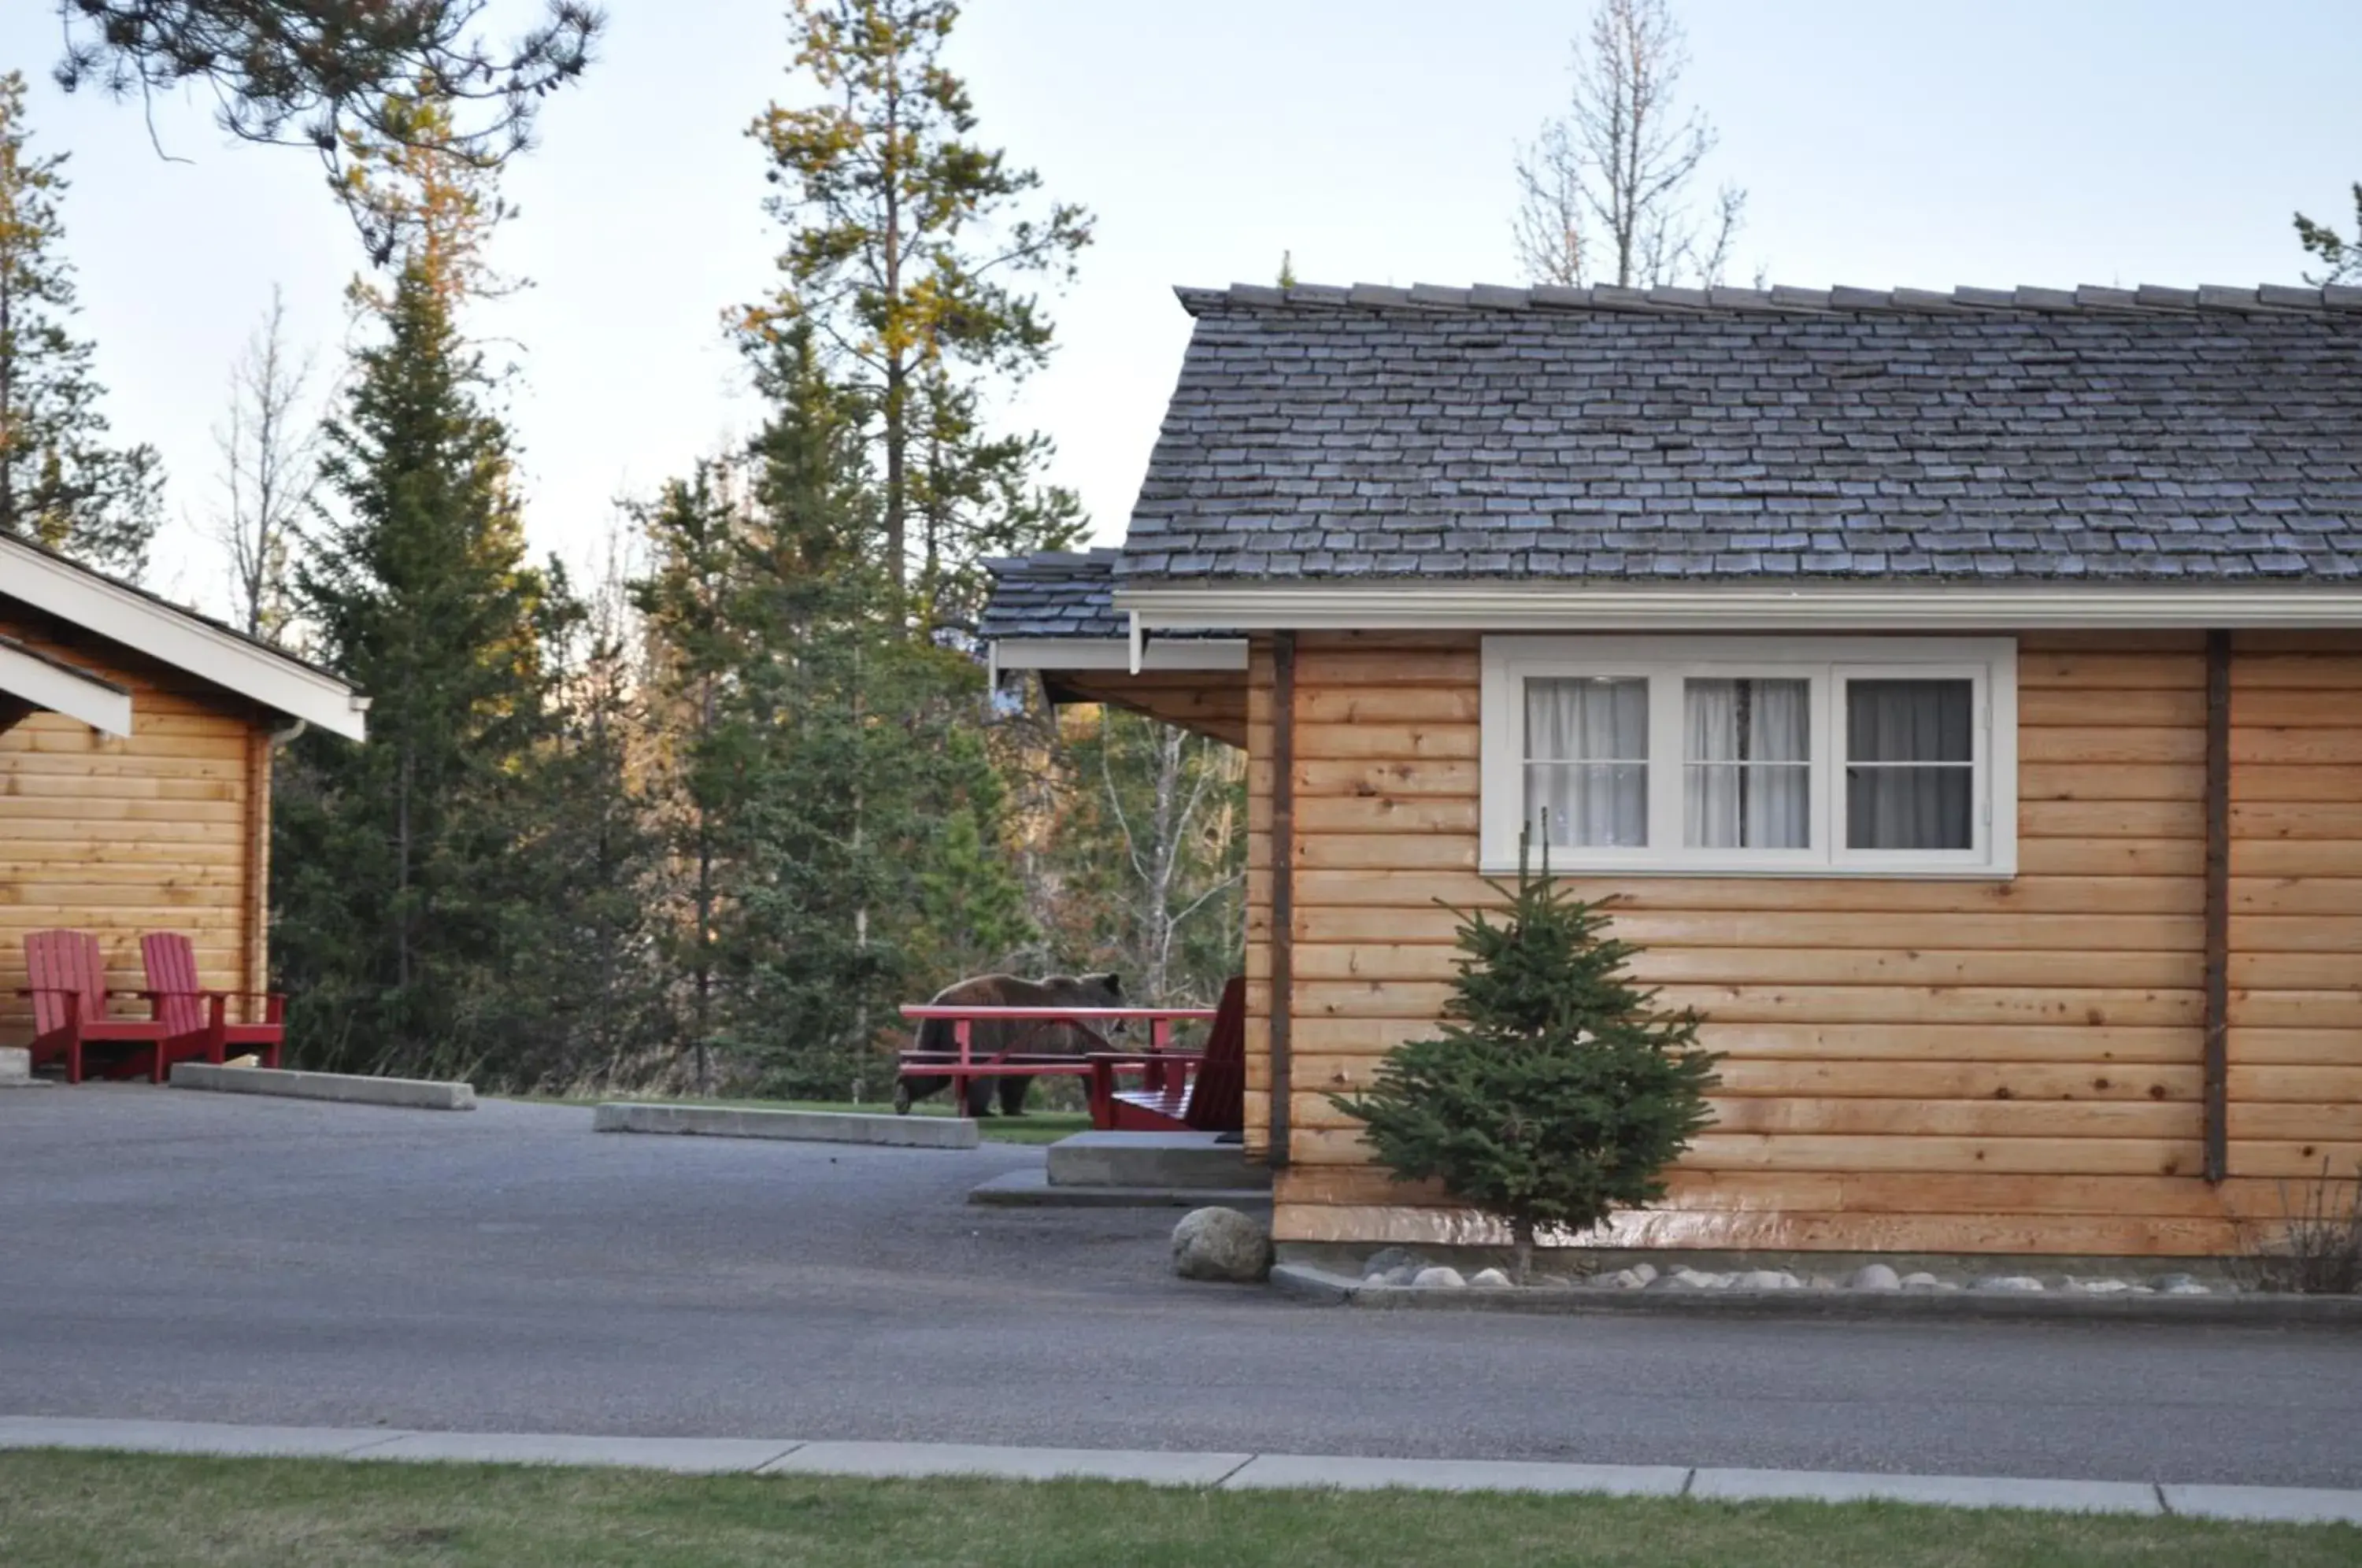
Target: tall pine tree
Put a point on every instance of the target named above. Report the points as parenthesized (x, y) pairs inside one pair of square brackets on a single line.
[(61, 483), (909, 244), (402, 893)]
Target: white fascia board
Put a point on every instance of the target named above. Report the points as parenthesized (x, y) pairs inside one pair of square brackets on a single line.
[(1115, 654), (61, 688), (111, 611), (1840, 607)]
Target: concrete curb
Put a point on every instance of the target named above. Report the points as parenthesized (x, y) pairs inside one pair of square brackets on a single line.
[(795, 1126), (346, 1089), (1225, 1472), (1309, 1283)]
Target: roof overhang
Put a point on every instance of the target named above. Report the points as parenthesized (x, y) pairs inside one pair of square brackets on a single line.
[(1116, 653), (1741, 606), (36, 681), (107, 609)]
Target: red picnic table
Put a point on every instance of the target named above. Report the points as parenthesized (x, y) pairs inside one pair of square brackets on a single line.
[(1161, 1068)]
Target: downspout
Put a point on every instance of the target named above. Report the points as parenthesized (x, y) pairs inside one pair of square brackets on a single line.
[(2216, 1074), (1283, 890)]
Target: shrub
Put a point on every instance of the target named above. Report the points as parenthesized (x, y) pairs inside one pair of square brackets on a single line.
[(2314, 1248), (1555, 1093)]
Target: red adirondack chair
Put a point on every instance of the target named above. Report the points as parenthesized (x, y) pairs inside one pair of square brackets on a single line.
[(1218, 1096), (1211, 1098), (68, 991), (196, 1020)]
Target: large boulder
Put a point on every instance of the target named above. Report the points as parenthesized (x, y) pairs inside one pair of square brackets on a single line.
[(1221, 1243)]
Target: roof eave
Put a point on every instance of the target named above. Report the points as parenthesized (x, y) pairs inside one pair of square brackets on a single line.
[(107, 609), (52, 685), (1738, 606)]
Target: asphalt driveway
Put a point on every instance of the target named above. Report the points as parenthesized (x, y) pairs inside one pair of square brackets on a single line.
[(191, 1256)]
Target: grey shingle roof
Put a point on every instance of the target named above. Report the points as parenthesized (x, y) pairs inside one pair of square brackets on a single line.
[(1055, 594), (2135, 435)]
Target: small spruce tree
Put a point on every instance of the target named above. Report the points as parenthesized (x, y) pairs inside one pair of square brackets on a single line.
[(1556, 1093)]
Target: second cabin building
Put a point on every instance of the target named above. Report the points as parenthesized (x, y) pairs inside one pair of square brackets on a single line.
[(1960, 696)]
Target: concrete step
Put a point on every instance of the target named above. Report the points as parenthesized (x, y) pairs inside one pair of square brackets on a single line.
[(1153, 1160), (1031, 1188), (15, 1066)]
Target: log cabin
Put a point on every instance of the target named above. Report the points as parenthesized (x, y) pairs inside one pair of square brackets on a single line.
[(135, 742), (1959, 695)]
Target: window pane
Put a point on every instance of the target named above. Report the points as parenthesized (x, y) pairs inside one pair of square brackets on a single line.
[(1909, 720), (1595, 805), (1909, 780), (1588, 761), (1909, 808), (1748, 782), (1587, 720)]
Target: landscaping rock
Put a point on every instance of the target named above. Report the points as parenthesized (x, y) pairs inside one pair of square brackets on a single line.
[(1439, 1278), (2019, 1282), (2100, 1287), (1221, 1243), (1489, 1276), (1765, 1279), (1878, 1276), (1385, 1260), (1406, 1275), (2180, 1285), (1642, 1272)]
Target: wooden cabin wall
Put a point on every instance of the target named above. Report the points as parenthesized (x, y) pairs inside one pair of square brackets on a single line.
[(1911, 1066), (2295, 1041), (167, 830)]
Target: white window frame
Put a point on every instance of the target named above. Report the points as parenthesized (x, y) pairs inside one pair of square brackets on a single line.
[(1989, 664)]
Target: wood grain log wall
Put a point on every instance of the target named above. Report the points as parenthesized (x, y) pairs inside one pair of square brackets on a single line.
[(1921, 1065), (165, 830)]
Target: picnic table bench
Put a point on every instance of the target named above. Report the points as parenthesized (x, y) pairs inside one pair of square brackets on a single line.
[(1161, 1068)]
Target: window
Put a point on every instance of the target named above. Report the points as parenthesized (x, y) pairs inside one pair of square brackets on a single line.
[(1713, 756)]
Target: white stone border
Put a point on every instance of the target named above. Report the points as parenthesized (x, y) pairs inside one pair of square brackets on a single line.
[(1228, 1472)]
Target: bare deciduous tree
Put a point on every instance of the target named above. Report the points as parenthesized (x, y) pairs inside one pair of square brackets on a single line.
[(1604, 191), (270, 465), (1180, 835)]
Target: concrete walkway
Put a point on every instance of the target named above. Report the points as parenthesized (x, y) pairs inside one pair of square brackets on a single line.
[(1227, 1472)]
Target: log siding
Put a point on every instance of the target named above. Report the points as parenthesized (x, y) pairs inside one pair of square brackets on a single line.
[(2004, 1065)]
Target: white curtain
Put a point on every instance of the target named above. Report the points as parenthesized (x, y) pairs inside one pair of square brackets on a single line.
[(1748, 782), (1586, 762), (1910, 779)]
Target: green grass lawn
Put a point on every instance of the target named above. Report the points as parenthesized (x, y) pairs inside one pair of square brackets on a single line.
[(1033, 1127), (68, 1510)]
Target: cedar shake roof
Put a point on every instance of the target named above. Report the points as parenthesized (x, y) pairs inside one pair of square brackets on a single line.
[(2206, 435)]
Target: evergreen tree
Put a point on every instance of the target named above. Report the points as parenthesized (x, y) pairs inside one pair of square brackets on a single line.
[(688, 606), (404, 895), (329, 73), (60, 483), (907, 238), (416, 591), (1555, 1094), (579, 943), (2341, 259)]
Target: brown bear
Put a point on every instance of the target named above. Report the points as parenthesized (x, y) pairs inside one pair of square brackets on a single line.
[(1028, 1037)]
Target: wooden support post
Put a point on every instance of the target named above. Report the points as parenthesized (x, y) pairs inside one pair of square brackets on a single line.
[(2216, 1078), (1282, 887)]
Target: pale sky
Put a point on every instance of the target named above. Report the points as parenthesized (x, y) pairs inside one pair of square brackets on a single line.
[(1882, 142)]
